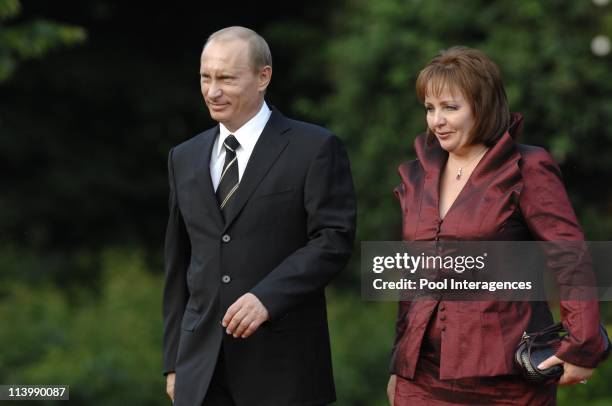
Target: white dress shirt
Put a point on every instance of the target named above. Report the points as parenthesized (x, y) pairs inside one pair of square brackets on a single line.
[(247, 136)]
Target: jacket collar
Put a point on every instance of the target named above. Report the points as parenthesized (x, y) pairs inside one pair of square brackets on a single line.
[(433, 157)]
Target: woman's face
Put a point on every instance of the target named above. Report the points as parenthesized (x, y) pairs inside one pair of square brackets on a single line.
[(450, 118)]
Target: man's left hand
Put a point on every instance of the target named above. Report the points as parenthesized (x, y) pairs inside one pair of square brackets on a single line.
[(244, 316), (572, 374)]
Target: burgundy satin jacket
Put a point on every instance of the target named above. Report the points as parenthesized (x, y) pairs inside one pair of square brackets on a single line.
[(515, 193)]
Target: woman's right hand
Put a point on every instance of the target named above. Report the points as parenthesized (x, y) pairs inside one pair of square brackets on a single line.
[(391, 389)]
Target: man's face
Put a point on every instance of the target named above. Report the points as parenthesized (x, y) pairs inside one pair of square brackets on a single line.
[(232, 90)]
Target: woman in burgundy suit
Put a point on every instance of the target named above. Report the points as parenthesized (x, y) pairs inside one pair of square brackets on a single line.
[(472, 181)]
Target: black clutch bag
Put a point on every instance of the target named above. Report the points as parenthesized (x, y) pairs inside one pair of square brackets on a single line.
[(538, 346)]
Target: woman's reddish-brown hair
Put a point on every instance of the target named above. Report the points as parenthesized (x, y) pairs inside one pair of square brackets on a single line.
[(478, 79)]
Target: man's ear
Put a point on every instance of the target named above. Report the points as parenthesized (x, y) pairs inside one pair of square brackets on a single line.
[(265, 75)]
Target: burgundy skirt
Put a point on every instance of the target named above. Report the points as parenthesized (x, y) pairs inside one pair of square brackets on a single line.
[(427, 389)]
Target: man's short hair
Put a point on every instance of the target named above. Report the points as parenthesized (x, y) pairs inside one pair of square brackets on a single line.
[(259, 51), (478, 78)]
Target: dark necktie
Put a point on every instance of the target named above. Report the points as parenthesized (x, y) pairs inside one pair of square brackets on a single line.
[(228, 184)]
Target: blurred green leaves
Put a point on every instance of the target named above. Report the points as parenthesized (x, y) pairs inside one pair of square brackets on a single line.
[(361, 336), (31, 39), (106, 347)]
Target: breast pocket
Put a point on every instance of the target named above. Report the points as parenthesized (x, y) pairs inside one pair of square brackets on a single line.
[(273, 209), (276, 196)]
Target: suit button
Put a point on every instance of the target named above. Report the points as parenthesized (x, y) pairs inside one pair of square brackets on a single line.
[(443, 317), (442, 307), (226, 238), (226, 279), (443, 328)]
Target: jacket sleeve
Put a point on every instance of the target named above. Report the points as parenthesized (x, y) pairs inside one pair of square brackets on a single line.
[(550, 217), (404, 305), (400, 327), (330, 206), (177, 251)]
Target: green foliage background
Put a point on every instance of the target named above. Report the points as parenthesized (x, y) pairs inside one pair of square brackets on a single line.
[(91, 100), (30, 40)]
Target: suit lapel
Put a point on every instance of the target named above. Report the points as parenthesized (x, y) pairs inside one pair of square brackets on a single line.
[(203, 152), (267, 150)]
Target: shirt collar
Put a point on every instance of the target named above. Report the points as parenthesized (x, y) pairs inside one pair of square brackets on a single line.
[(246, 134)]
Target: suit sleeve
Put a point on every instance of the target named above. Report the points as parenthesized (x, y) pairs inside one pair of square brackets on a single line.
[(177, 251), (403, 305), (550, 217), (400, 327), (329, 202)]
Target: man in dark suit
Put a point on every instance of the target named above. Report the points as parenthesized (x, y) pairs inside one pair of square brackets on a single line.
[(262, 217)]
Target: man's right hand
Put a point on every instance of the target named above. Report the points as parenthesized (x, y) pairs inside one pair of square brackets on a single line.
[(170, 385), (391, 389)]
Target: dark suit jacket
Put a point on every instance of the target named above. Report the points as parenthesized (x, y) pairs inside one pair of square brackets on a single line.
[(288, 232), (515, 193)]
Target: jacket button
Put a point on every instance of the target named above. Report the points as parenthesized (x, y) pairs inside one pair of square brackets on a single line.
[(443, 328), (226, 238), (226, 279), (443, 317), (442, 307)]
